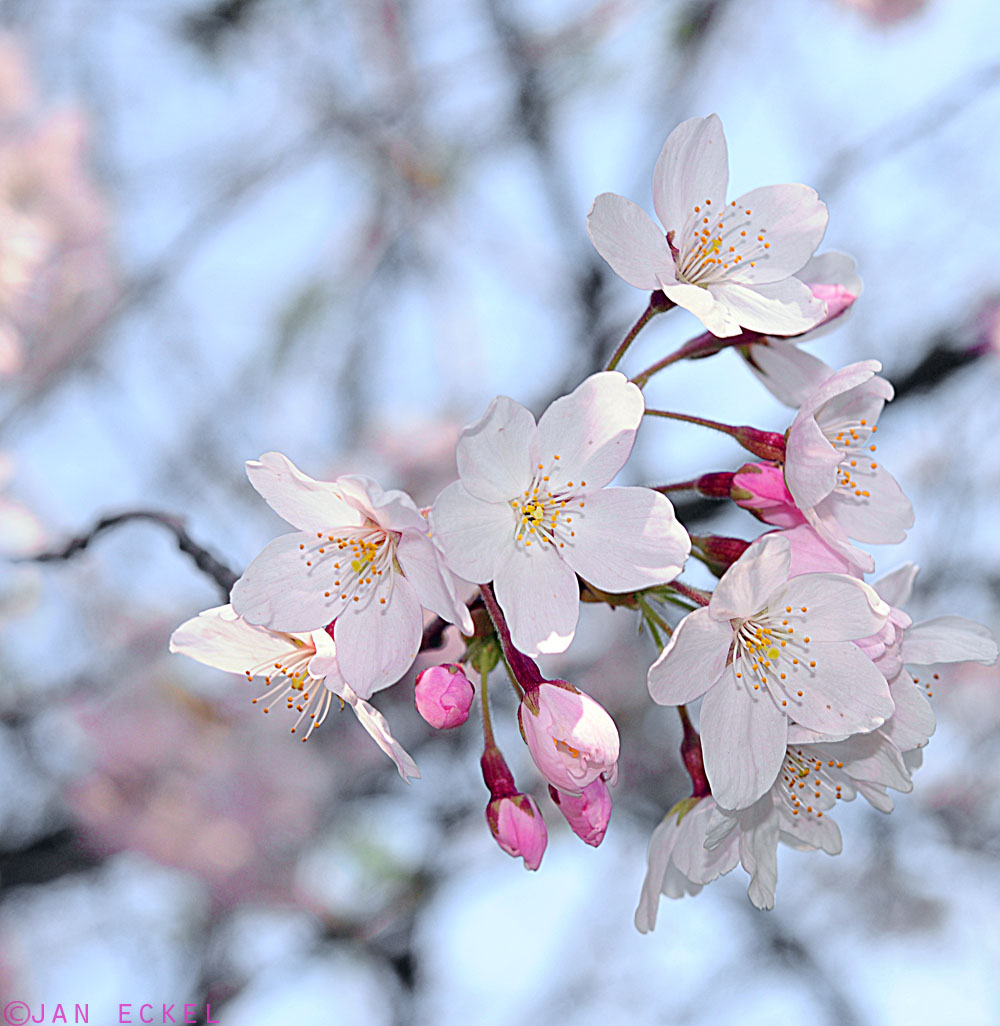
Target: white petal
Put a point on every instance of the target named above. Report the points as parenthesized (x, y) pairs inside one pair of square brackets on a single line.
[(788, 373), (279, 591), (658, 855), (832, 268), (745, 587), (823, 521), (494, 454), (393, 510), (793, 219), (948, 639), (777, 308), (693, 660), (717, 316), (433, 583), (540, 597), (473, 534), (625, 235), (693, 166), (626, 539), (217, 638), (843, 694), (759, 853), (375, 723), (873, 758), (839, 608), (743, 735), (376, 643), (811, 463), (912, 722), (591, 430), (897, 587), (846, 378), (305, 503), (881, 517)]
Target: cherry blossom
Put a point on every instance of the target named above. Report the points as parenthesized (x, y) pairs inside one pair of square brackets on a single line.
[(443, 695), (831, 469), (587, 813), (516, 823), (764, 651), (360, 559), (531, 510), (299, 670), (731, 265)]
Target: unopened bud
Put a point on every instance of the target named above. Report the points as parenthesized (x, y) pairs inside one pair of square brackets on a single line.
[(518, 827), (719, 552), (760, 488), (587, 813), (444, 696)]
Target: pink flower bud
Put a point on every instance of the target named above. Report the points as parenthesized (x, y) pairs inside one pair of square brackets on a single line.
[(760, 488), (444, 695), (837, 299), (517, 824), (571, 737), (588, 812)]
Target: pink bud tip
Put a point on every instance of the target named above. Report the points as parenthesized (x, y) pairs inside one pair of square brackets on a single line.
[(518, 827), (836, 297), (587, 813), (444, 696)]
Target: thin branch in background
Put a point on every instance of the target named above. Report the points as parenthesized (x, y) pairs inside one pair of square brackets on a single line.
[(223, 577)]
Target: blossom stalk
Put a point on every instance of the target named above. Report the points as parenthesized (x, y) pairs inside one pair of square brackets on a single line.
[(768, 445), (658, 303)]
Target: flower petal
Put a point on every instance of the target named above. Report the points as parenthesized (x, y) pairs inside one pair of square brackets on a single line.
[(693, 660), (305, 503), (473, 533), (392, 510), (785, 370), (793, 220), (626, 539), (882, 514), (539, 596), (743, 736), (376, 643), (717, 316), (759, 852), (433, 583), (839, 608), (912, 722), (278, 590), (785, 307), (693, 167), (897, 587), (494, 454), (948, 639), (746, 586), (625, 235), (375, 723), (217, 637), (811, 463), (591, 430)]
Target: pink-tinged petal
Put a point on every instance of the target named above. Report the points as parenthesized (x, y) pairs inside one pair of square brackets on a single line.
[(217, 637), (540, 597), (494, 454), (392, 510), (838, 607), (777, 308), (626, 539), (591, 430), (948, 639), (760, 488), (851, 376), (897, 587), (375, 723), (786, 371), (822, 518), (376, 643), (743, 735), (844, 693), (745, 587), (433, 583), (882, 516), (693, 167), (278, 590), (625, 235), (811, 463), (792, 219), (853, 406), (473, 534), (912, 722), (305, 503), (717, 316), (693, 660), (832, 268), (812, 555)]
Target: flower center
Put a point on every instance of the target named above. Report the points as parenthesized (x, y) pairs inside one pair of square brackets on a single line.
[(810, 782), (353, 563), (290, 682), (714, 244), (853, 442), (770, 652), (547, 511)]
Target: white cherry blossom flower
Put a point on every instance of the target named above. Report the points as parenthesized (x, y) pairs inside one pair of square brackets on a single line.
[(299, 671), (831, 469), (767, 650), (531, 510), (361, 559), (730, 264)]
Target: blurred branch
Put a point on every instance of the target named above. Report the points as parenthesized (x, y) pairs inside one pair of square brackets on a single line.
[(203, 559)]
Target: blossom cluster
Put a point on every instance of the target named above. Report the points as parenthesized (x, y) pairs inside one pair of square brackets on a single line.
[(809, 677)]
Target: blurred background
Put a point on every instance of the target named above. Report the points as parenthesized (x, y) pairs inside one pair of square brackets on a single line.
[(338, 228)]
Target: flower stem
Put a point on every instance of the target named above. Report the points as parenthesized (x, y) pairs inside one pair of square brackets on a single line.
[(658, 303), (694, 594), (692, 756), (487, 723), (702, 345), (768, 445), (525, 672)]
